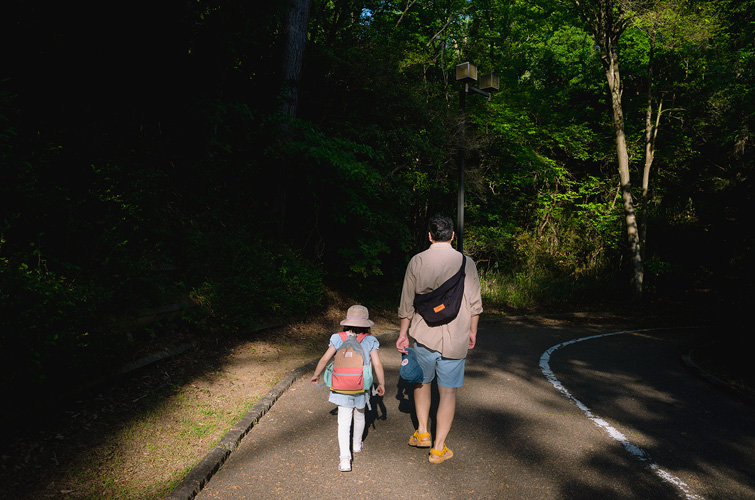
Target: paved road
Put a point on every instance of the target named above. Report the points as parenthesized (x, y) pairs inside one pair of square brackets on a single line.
[(542, 416)]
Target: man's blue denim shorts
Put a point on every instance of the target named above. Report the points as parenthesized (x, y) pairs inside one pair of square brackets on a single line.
[(450, 372)]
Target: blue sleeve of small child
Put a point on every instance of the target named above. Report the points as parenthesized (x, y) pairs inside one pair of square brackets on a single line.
[(374, 344), (335, 341)]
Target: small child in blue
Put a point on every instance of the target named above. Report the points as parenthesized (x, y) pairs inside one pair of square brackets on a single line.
[(352, 405)]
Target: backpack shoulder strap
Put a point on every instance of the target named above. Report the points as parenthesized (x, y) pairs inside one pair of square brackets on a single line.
[(360, 336)]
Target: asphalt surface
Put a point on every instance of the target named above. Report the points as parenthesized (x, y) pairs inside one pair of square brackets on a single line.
[(548, 411)]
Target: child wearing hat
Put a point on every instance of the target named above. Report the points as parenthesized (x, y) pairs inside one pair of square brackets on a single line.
[(352, 406)]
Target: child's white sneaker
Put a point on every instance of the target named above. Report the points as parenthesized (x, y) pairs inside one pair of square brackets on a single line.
[(357, 447), (345, 464)]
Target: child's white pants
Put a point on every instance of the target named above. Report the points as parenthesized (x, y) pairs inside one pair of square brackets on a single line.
[(344, 428)]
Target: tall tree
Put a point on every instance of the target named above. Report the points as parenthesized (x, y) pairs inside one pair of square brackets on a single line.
[(607, 20), (668, 26)]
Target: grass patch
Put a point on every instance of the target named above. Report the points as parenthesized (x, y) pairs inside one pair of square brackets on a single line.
[(540, 289), (171, 437)]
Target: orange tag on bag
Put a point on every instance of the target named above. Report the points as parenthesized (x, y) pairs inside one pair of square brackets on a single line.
[(439, 308)]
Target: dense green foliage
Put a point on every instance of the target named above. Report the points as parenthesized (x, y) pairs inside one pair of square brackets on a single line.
[(145, 160)]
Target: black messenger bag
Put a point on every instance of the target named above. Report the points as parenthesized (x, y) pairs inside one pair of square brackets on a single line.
[(442, 304)]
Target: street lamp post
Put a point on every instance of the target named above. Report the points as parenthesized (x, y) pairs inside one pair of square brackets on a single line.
[(466, 73)]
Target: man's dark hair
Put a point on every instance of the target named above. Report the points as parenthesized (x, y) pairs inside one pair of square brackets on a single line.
[(441, 228)]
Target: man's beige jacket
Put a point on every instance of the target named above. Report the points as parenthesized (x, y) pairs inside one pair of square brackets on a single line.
[(425, 272)]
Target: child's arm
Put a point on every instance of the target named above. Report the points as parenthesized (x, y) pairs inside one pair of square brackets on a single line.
[(375, 357), (321, 364)]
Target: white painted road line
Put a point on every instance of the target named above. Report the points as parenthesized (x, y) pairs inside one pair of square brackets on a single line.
[(634, 450)]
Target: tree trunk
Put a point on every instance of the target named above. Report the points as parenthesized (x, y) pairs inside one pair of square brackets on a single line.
[(607, 20), (650, 134), (295, 28), (611, 66)]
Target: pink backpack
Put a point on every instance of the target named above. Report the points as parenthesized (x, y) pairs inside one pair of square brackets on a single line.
[(350, 372)]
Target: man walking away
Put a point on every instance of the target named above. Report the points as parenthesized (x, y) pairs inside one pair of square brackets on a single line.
[(441, 349)]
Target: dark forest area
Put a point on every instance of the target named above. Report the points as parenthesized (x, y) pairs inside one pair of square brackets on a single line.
[(151, 158)]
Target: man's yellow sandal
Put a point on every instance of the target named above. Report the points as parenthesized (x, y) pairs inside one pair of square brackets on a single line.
[(437, 457), (422, 440)]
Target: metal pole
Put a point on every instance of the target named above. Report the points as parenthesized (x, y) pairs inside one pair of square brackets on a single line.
[(462, 157)]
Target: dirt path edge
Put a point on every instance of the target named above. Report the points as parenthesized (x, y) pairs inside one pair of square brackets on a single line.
[(198, 477), (193, 483)]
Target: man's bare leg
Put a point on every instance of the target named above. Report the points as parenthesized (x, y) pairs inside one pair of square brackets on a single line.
[(445, 416), (422, 399)]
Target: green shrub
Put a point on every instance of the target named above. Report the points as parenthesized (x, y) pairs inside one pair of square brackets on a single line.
[(49, 334), (243, 281), (538, 274)]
